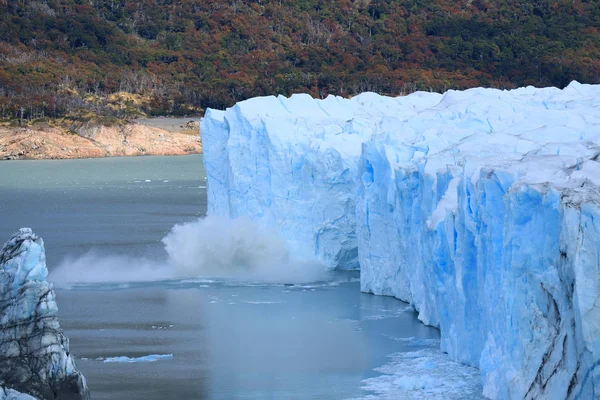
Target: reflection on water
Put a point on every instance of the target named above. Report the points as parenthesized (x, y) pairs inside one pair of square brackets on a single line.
[(235, 341), (229, 340)]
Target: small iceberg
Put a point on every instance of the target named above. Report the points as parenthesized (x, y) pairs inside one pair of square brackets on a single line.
[(148, 358)]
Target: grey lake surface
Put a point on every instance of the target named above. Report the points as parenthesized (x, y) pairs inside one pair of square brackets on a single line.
[(219, 339)]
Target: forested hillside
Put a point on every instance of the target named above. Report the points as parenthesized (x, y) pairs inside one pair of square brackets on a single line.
[(121, 57)]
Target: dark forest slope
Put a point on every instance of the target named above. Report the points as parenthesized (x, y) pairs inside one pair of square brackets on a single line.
[(174, 57)]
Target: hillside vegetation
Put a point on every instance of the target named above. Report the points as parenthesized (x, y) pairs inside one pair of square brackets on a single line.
[(165, 57)]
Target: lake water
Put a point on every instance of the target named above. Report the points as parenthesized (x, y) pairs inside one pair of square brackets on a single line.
[(220, 339)]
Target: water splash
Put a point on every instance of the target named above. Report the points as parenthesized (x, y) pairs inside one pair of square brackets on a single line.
[(211, 247)]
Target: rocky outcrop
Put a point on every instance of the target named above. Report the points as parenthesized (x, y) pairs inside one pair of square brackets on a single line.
[(193, 125), (34, 352)]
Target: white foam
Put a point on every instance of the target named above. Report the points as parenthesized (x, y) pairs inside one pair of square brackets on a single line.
[(95, 267), (423, 374), (211, 247), (236, 249)]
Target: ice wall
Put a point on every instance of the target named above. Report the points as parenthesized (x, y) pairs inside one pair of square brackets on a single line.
[(481, 208), (492, 233), (34, 353), (291, 163)]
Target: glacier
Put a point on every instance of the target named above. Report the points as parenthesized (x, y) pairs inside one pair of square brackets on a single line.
[(481, 208), (35, 361), (292, 164)]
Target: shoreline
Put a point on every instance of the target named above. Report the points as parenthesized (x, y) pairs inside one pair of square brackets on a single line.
[(5, 160), (136, 138)]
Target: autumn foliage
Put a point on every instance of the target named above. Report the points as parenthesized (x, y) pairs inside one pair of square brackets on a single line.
[(178, 57)]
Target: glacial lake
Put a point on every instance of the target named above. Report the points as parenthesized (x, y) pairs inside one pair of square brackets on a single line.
[(213, 338)]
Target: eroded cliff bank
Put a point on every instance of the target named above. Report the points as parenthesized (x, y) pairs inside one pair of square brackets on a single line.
[(87, 141)]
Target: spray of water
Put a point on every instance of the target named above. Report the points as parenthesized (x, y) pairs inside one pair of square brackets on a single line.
[(211, 247), (96, 267)]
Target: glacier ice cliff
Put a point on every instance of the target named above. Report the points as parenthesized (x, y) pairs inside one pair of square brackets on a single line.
[(492, 233), (292, 163), (34, 353), (481, 208)]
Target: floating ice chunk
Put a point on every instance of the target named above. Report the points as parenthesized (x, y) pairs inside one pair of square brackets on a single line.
[(148, 358), (424, 374)]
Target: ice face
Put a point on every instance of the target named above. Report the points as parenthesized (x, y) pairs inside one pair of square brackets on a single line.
[(480, 208), (34, 352), (292, 164), (486, 233)]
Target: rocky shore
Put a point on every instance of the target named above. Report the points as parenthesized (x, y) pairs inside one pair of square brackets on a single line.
[(87, 141)]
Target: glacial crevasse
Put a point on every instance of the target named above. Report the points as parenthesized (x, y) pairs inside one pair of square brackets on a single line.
[(481, 208)]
